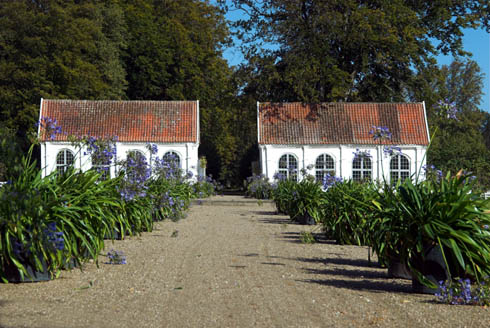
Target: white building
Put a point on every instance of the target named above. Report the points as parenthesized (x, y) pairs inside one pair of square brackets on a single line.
[(324, 138), (172, 125)]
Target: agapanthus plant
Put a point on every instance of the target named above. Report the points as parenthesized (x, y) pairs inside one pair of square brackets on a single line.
[(358, 154), (390, 150), (461, 292), (330, 181), (136, 174), (432, 172), (50, 127), (380, 133), (258, 186), (116, 257), (447, 109), (102, 151)]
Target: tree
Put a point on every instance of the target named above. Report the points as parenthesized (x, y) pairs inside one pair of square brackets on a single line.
[(458, 144), (175, 52), (57, 49), (348, 50)]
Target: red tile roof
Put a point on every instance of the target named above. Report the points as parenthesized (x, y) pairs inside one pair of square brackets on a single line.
[(130, 121), (341, 123)]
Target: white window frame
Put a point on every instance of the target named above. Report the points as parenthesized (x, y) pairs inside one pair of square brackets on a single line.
[(365, 173), (323, 169), (399, 170), (103, 169), (62, 167), (286, 171), (179, 158)]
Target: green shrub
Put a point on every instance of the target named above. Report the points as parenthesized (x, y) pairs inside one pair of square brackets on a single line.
[(259, 187), (283, 195), (307, 198), (347, 212), (445, 213)]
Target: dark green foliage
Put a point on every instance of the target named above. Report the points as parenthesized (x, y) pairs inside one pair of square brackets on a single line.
[(57, 49), (9, 154), (259, 187), (306, 201), (84, 209), (283, 195), (346, 218), (458, 144), (347, 50), (443, 213), (300, 200)]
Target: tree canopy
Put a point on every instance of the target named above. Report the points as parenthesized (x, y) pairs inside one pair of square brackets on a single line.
[(295, 50), (347, 50)]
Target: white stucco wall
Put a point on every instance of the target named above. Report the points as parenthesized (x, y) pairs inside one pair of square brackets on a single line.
[(188, 153), (343, 155)]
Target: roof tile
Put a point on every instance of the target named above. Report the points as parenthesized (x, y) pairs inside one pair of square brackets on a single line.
[(341, 123), (130, 121)]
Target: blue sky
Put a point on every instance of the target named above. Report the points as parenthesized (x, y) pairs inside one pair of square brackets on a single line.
[(478, 43), (475, 41)]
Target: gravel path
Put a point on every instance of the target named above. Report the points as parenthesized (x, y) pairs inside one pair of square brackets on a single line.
[(229, 266)]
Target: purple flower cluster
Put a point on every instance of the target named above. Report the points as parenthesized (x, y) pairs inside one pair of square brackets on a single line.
[(102, 151), (460, 293), (258, 186), (330, 181), (53, 237), (205, 186), (50, 126), (391, 150), (116, 257), (279, 176), (153, 148), (137, 173), (358, 154), (202, 178), (432, 171), (168, 167), (380, 132), (175, 205), (447, 109)]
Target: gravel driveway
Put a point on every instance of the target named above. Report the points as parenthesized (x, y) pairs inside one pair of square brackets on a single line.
[(229, 266)]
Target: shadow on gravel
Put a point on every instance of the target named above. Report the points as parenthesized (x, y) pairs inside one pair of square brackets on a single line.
[(370, 285), (341, 261), (272, 263), (276, 221), (250, 255), (295, 237), (265, 213), (349, 273)]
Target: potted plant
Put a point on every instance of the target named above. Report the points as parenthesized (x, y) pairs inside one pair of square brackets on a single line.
[(434, 225)]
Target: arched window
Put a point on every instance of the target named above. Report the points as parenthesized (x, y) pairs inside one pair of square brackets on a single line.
[(136, 165), (361, 168), (288, 166), (136, 155), (64, 159), (172, 157), (324, 165), (102, 166), (399, 168)]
